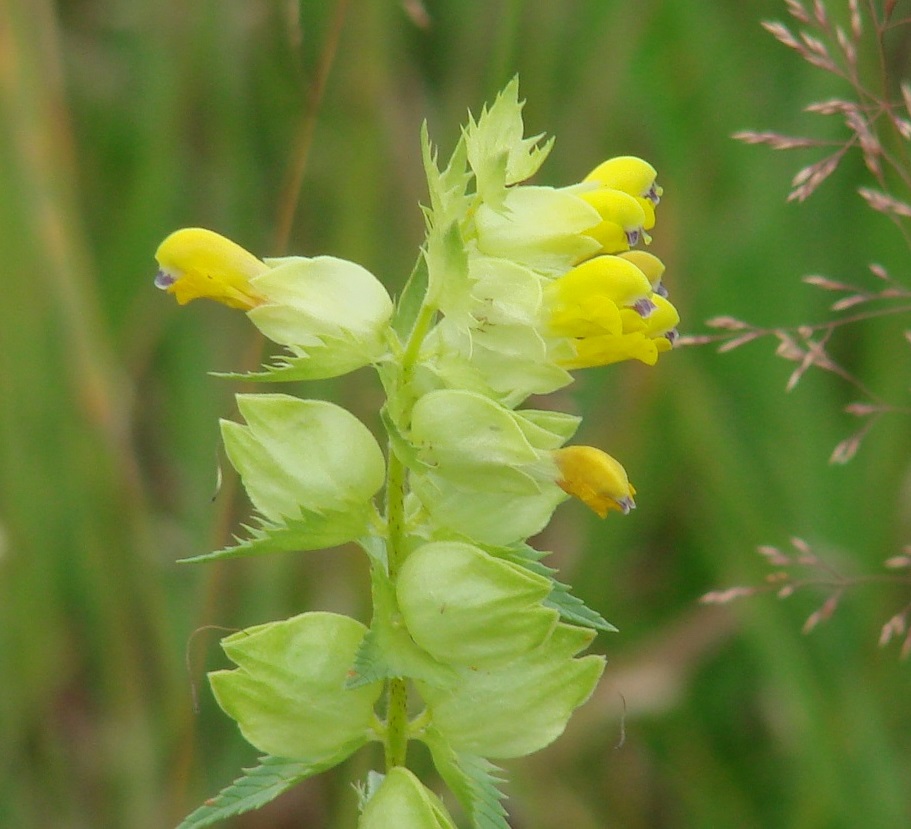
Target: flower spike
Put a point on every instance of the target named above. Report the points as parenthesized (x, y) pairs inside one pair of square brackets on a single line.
[(473, 648)]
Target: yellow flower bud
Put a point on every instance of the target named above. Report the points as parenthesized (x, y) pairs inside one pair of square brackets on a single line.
[(622, 219), (194, 262), (627, 173), (633, 176), (595, 478), (648, 263)]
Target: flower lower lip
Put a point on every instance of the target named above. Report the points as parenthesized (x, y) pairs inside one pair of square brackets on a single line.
[(164, 280)]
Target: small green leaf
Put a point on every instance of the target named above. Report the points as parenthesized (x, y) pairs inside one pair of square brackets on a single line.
[(497, 152), (486, 478), (313, 531), (540, 227), (291, 368), (571, 608), (411, 299), (468, 432), (257, 787), (330, 310), (448, 188), (403, 449), (472, 779), (447, 268), (557, 427)]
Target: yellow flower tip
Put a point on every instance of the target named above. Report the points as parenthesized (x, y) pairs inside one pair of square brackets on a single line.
[(623, 219), (648, 263), (595, 478), (197, 263), (630, 174), (663, 321)]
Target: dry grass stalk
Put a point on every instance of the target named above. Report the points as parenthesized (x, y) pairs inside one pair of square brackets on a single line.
[(824, 613), (810, 177), (884, 203), (819, 11), (857, 27), (736, 342), (797, 11), (832, 106), (879, 271), (827, 284), (776, 140), (808, 569), (834, 48), (847, 449), (872, 127)]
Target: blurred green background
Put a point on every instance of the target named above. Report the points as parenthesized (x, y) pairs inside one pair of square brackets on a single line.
[(122, 120)]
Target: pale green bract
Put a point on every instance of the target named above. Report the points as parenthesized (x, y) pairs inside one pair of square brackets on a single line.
[(331, 314), (539, 227), (288, 692), (297, 453), (468, 608), (487, 470), (520, 706), (473, 648)]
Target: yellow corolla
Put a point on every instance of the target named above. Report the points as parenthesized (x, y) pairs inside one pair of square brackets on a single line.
[(633, 176), (610, 311), (194, 262), (595, 478), (623, 219)]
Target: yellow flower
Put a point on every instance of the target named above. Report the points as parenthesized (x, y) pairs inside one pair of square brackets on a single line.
[(595, 478), (608, 310), (641, 338), (194, 262), (633, 176)]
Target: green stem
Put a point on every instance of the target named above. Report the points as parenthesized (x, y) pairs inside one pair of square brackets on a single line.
[(396, 723), (413, 347), (395, 513), (396, 743)]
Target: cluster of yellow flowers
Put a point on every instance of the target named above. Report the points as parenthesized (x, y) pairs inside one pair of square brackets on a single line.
[(549, 282)]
